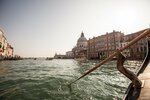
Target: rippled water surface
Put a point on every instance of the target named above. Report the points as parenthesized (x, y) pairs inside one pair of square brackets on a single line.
[(48, 80)]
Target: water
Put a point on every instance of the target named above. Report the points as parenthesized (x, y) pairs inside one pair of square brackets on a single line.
[(48, 80)]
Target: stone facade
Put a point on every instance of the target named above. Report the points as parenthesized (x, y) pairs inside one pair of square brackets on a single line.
[(91, 49), (139, 49), (10, 50), (59, 56), (6, 50), (69, 54), (80, 50), (102, 46), (113, 41), (126, 52)]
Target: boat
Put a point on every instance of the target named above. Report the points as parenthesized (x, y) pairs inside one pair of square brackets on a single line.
[(139, 88)]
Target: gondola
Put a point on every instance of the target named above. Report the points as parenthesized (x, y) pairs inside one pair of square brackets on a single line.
[(135, 93)]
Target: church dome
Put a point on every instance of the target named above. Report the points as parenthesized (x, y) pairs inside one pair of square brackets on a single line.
[(82, 38)]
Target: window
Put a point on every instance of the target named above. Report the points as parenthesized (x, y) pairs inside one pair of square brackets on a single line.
[(141, 48), (144, 48), (137, 49)]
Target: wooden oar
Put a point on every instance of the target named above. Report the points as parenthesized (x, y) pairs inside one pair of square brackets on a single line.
[(144, 34)]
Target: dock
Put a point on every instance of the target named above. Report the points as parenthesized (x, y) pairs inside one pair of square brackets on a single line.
[(145, 78)]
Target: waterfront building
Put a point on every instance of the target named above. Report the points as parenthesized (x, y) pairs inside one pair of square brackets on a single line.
[(3, 43), (97, 47), (91, 54), (103, 46), (139, 49), (80, 50), (59, 56), (69, 54), (9, 50), (126, 52), (113, 41), (74, 51), (6, 50)]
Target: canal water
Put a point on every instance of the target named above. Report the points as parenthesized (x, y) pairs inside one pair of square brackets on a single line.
[(49, 79)]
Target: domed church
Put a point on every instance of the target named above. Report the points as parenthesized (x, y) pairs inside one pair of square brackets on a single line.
[(81, 47)]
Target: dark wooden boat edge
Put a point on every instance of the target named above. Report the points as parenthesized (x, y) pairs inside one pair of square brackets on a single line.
[(130, 89)]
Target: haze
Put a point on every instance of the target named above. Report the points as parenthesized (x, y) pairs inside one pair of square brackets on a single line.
[(41, 28)]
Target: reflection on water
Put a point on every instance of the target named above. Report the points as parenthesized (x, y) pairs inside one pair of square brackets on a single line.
[(48, 80)]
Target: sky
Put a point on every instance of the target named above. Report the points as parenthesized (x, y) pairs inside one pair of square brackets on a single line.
[(41, 28)]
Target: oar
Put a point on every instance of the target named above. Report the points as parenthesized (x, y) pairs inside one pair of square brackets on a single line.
[(144, 34)]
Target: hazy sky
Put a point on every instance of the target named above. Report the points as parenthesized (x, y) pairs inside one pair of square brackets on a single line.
[(43, 27)]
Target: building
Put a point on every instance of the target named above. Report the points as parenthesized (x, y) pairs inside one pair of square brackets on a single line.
[(113, 41), (91, 54), (9, 50), (126, 52), (3, 44), (74, 51), (59, 56), (139, 49), (80, 50), (69, 54), (6, 50), (103, 46)]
